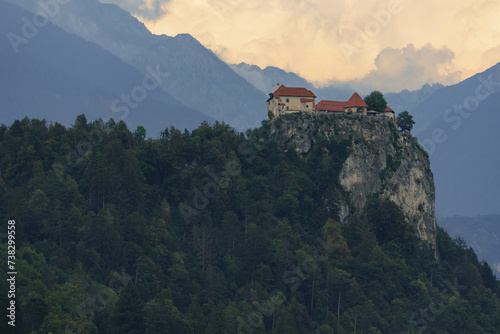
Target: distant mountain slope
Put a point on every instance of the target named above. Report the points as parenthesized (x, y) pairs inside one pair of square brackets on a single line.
[(199, 79), (481, 233), (204, 82), (409, 100), (56, 76), (263, 79), (435, 106), (463, 143), (104, 24)]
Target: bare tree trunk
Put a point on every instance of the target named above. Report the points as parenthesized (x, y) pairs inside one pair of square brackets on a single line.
[(355, 319), (312, 294), (327, 288), (232, 246), (60, 238), (203, 249), (338, 307)]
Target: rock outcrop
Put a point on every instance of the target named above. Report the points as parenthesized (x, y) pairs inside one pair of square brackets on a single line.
[(381, 161)]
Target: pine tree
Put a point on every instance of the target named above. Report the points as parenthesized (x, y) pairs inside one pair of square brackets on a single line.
[(129, 316)]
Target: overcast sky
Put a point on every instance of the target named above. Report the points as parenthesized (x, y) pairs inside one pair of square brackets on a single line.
[(392, 44)]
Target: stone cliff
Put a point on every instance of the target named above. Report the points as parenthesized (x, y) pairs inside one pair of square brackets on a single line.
[(381, 161)]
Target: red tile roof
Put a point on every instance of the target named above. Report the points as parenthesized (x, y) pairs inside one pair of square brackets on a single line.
[(325, 105), (303, 100), (293, 91), (356, 101)]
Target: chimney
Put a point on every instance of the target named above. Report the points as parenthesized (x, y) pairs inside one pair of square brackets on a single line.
[(273, 89)]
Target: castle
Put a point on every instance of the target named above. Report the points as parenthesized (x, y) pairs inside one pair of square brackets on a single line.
[(287, 100)]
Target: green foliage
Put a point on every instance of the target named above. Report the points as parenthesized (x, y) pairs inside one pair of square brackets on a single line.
[(129, 316), (270, 115), (140, 134), (215, 231), (405, 121), (376, 101)]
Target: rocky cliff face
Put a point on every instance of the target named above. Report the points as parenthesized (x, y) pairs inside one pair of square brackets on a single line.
[(381, 161)]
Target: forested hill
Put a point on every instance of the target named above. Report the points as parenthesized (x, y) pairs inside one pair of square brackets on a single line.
[(214, 231)]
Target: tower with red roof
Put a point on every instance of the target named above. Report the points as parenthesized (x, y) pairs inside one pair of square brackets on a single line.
[(356, 104)]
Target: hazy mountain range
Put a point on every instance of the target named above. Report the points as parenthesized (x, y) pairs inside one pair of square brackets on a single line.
[(56, 75), (197, 77), (98, 54), (462, 138)]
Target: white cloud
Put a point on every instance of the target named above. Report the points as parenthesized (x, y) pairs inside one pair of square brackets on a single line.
[(491, 57), (410, 68), (150, 10)]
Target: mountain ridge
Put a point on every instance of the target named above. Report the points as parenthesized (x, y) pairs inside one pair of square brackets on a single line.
[(216, 90), (57, 75), (461, 141)]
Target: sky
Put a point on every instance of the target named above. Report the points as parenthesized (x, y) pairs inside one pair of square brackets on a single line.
[(389, 44)]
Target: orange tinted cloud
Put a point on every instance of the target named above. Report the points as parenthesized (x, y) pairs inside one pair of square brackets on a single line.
[(329, 41)]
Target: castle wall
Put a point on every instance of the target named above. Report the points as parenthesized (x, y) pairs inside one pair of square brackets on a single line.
[(289, 104)]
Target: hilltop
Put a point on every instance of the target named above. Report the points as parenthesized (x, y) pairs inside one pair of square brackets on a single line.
[(219, 231)]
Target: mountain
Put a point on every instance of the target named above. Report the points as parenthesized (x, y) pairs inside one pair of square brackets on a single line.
[(56, 76), (440, 105), (198, 78), (263, 79), (106, 25), (462, 139), (409, 100), (482, 233), (204, 82)]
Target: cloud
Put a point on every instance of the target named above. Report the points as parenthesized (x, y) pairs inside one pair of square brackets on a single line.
[(410, 68), (150, 10), (491, 57)]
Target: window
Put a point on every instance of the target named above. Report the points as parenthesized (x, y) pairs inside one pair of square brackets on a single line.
[(287, 100)]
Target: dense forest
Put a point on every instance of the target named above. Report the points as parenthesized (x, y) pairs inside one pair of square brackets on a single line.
[(482, 233), (215, 231)]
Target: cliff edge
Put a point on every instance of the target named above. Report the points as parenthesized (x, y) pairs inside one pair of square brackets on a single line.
[(381, 162)]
